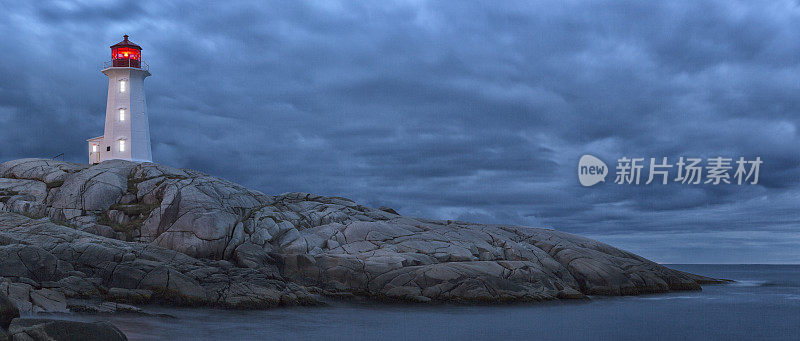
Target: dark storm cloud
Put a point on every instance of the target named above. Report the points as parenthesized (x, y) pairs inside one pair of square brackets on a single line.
[(473, 111)]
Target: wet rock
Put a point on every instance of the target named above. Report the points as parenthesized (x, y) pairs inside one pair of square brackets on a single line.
[(109, 308), (19, 294), (74, 286), (47, 329), (48, 300), (130, 295), (8, 312), (30, 300)]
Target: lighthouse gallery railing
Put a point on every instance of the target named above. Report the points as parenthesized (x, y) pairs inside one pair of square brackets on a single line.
[(110, 63)]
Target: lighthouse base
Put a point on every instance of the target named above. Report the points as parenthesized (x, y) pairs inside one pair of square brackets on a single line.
[(101, 150)]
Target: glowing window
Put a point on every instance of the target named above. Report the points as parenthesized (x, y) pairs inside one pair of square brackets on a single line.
[(121, 114), (94, 148), (122, 85), (122, 145)]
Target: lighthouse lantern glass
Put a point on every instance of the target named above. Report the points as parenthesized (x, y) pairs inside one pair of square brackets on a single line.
[(126, 57)]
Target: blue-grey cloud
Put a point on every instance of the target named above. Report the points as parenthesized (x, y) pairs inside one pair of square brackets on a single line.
[(473, 111)]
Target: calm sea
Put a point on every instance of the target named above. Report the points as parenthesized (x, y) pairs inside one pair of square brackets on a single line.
[(764, 304)]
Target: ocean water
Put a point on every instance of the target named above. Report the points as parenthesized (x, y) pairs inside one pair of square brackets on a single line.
[(764, 304)]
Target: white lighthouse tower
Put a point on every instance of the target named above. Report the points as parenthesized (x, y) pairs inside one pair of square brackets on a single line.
[(127, 131)]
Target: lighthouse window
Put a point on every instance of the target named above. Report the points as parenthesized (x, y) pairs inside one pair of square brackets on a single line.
[(94, 148), (121, 114), (122, 145), (122, 85)]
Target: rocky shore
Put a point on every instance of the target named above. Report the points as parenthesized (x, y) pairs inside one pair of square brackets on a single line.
[(108, 237)]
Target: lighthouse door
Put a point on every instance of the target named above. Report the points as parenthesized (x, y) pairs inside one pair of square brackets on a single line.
[(94, 153)]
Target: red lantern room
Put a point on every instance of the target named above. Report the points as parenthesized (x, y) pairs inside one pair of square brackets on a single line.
[(126, 54)]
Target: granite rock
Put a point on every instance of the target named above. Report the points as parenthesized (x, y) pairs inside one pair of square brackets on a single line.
[(190, 238), (87, 265)]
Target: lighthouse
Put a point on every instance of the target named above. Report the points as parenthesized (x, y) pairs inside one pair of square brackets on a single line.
[(127, 131)]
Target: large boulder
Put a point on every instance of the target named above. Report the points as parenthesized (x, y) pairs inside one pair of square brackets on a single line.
[(92, 189), (26, 183), (63, 330), (51, 172), (195, 214)]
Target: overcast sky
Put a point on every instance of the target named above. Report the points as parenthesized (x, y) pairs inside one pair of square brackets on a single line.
[(475, 111)]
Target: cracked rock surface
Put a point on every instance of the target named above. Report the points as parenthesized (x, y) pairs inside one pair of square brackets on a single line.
[(46, 263), (136, 233)]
